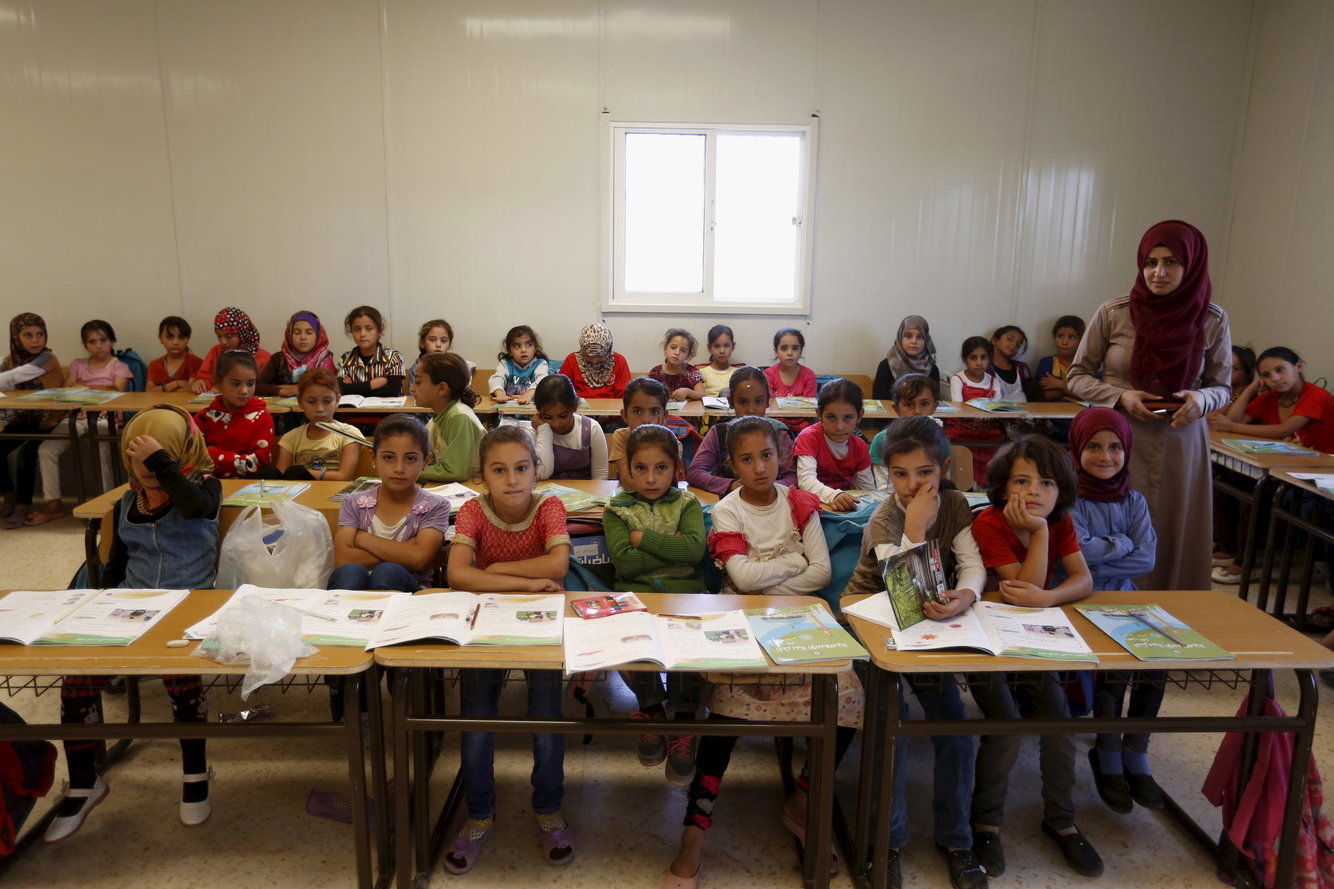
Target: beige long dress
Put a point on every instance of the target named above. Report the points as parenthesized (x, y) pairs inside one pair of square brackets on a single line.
[(1170, 467)]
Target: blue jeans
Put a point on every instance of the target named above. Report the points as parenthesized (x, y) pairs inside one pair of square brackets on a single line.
[(952, 779), (384, 576), (480, 694)]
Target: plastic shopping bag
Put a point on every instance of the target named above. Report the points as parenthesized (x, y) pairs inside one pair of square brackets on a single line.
[(266, 635), (295, 553)]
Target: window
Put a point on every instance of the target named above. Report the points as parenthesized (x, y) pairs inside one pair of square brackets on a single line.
[(711, 218)]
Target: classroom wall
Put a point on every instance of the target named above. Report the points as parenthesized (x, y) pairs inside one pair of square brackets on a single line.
[(981, 161), (1280, 270)]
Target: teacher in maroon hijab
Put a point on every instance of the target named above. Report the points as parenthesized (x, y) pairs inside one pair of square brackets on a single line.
[(1164, 355)]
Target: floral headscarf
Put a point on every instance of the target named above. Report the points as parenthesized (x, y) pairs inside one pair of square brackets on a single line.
[(300, 362), (233, 320), (596, 374), (17, 354)]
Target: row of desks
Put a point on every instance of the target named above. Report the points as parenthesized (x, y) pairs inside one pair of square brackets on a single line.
[(1259, 643)]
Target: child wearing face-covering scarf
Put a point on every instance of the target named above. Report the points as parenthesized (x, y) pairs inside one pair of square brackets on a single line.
[(596, 370), (166, 538)]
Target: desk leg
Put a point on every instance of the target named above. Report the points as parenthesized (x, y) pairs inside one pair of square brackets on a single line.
[(420, 742), (1259, 509), (356, 767), (1301, 758), (892, 696), (864, 832), (820, 801), (91, 559), (402, 784), (379, 781), (1266, 571)]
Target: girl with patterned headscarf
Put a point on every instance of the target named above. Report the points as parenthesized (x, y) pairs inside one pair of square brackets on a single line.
[(235, 331), (305, 346), (29, 365), (596, 370), (166, 538), (913, 352)]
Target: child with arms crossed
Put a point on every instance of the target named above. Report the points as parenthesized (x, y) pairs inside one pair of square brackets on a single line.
[(1021, 535), (917, 456), (569, 445), (1119, 544), (768, 540), (388, 537), (656, 539), (831, 456), (237, 426), (510, 540), (312, 451), (369, 367), (166, 538), (710, 468), (443, 385)]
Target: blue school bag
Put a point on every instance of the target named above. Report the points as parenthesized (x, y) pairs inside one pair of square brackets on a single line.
[(138, 369)]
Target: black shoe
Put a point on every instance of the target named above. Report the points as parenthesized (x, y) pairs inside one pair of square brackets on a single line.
[(1114, 789), (1078, 851), (989, 851), (1146, 791), (893, 872), (965, 870)]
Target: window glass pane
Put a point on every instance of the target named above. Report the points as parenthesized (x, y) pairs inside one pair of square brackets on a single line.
[(664, 213), (756, 235)]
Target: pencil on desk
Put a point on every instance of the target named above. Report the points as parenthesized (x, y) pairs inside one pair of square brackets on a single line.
[(1139, 616)]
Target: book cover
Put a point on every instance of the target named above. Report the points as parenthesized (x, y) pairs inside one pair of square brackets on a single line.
[(356, 486), (612, 603), (795, 402), (913, 577), (266, 493), (802, 634), (1264, 446), (995, 406), (1150, 633)]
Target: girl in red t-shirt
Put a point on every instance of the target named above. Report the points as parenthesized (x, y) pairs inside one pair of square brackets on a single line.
[(510, 540), (831, 456), (1031, 484), (1281, 404)]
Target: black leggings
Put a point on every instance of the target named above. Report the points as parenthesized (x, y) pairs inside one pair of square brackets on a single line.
[(81, 702), (711, 760)]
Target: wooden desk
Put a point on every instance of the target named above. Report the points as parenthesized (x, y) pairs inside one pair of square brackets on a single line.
[(1260, 644), (413, 721), (150, 656), (1313, 522)]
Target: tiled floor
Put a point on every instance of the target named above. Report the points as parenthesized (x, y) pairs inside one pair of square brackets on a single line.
[(626, 817)]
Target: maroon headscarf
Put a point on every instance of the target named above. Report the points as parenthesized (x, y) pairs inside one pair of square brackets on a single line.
[(1089, 423), (1169, 329)]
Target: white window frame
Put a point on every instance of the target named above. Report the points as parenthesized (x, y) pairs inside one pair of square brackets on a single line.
[(616, 299)]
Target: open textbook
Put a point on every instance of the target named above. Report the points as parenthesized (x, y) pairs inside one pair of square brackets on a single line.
[(472, 619), (339, 618), (719, 641), (994, 627), (71, 395), (266, 493), (84, 617), (1269, 446)]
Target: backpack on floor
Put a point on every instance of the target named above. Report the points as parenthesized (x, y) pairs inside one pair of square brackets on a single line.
[(27, 769)]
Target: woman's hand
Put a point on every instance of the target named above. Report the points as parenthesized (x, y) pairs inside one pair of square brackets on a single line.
[(1017, 514), (1021, 592), (1133, 402), (956, 601), (1190, 411), (844, 502), (141, 447)]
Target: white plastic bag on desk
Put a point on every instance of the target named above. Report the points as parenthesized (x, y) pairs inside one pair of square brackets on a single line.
[(266, 635), (296, 553)]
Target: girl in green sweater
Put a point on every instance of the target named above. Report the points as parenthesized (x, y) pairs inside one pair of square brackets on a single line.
[(443, 384), (656, 539)]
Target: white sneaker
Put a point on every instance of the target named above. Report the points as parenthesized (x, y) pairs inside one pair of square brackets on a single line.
[(62, 827), (195, 814), (1222, 575)]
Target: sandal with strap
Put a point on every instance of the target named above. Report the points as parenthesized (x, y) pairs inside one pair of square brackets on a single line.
[(672, 881), (798, 830), (466, 847)]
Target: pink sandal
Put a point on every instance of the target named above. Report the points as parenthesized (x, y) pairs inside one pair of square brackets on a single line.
[(41, 518), (466, 848), (558, 846)]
